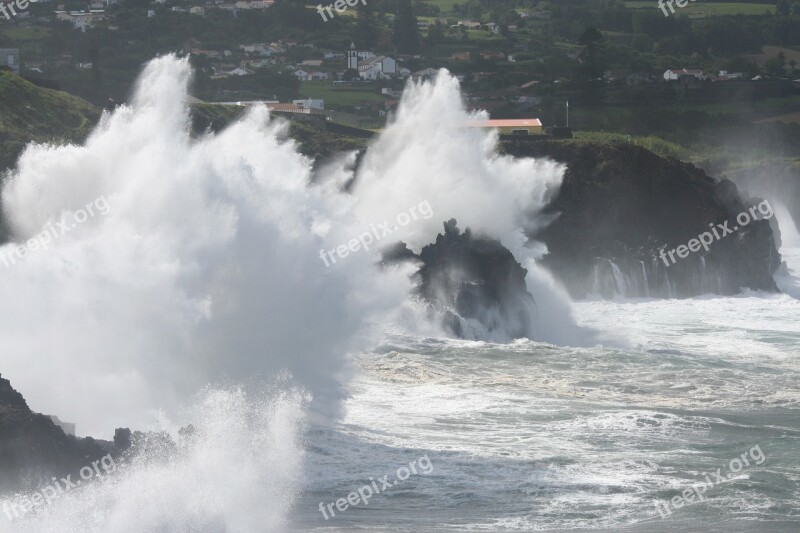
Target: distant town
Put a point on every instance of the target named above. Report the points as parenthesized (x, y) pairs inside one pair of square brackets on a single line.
[(515, 60)]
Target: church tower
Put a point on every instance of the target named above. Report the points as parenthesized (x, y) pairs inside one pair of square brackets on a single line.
[(352, 57)]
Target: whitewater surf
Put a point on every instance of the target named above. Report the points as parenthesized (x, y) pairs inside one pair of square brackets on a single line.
[(200, 298)]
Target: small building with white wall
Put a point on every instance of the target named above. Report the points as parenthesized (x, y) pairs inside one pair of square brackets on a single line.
[(9, 57), (378, 67), (310, 103)]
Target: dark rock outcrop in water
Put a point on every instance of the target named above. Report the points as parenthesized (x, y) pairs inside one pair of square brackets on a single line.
[(33, 448), (474, 282), (620, 205)]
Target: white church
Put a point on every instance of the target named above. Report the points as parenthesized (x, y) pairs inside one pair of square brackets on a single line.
[(372, 67)]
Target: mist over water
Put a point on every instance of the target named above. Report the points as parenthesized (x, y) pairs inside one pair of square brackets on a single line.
[(240, 471), (206, 271)]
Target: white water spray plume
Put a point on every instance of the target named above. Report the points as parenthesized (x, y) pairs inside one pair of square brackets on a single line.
[(206, 269)]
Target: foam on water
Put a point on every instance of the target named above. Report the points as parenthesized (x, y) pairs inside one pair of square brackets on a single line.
[(530, 436)]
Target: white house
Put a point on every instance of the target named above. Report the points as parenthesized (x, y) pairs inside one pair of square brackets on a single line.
[(239, 71), (82, 19), (197, 10), (469, 24), (675, 74), (259, 49), (724, 74), (254, 4), (378, 67), (425, 73), (310, 103), (9, 57), (302, 75)]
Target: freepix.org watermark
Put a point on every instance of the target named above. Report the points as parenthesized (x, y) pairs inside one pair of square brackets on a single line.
[(101, 206), (22, 505), (22, 5), (707, 238), (376, 233), (368, 491), (697, 490), (339, 5), (679, 3)]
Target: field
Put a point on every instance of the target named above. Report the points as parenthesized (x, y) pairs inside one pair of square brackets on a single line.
[(28, 39), (323, 89), (789, 118), (651, 142), (445, 5), (708, 9), (768, 52)]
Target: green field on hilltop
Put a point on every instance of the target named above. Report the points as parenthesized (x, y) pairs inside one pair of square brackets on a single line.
[(484, 35), (708, 9), (445, 5), (31, 113), (28, 39), (343, 97)]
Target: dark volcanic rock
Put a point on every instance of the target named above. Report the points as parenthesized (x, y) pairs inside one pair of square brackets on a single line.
[(33, 448), (620, 205), (475, 283)]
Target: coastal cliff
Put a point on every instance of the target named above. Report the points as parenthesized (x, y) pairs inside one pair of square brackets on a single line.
[(622, 208)]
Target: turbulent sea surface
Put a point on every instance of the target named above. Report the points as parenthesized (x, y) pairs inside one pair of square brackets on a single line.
[(201, 298), (532, 436)]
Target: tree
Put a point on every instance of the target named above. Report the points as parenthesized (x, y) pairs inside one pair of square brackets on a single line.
[(774, 66), (435, 34), (783, 8), (351, 74), (366, 31), (406, 33), (592, 64), (591, 57)]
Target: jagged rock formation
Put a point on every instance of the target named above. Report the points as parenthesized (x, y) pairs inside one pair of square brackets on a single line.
[(620, 205), (474, 283), (33, 448)]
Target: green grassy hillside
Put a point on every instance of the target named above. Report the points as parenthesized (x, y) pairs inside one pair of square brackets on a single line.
[(31, 113)]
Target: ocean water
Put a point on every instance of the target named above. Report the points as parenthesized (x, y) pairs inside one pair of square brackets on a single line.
[(530, 436), (200, 297)]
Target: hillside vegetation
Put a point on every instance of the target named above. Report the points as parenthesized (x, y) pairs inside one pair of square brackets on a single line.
[(32, 113), (29, 113)]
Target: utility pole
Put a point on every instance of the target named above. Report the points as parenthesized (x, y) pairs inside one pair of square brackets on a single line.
[(568, 113)]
